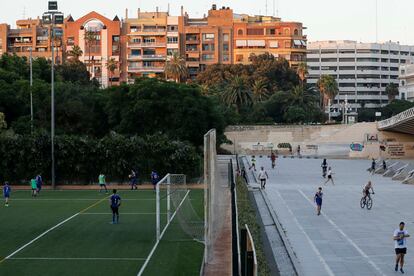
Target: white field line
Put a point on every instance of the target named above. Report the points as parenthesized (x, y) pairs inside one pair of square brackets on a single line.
[(51, 229), (77, 199), (337, 228), (78, 259), (313, 246), (122, 213), (162, 234)]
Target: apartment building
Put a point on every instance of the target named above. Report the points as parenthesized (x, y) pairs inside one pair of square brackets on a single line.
[(267, 34), (149, 39), (31, 35), (208, 40), (99, 39), (406, 79), (362, 70)]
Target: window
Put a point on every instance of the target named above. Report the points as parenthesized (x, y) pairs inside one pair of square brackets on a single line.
[(296, 32), (347, 51), (346, 67), (271, 31), (208, 37), (207, 57), (135, 52), (240, 32), (225, 47), (136, 40), (329, 60), (346, 60), (71, 41), (255, 31), (134, 29), (226, 57), (115, 38), (394, 60), (313, 60), (208, 47), (171, 52), (226, 37), (328, 51), (173, 28), (172, 40), (148, 40), (287, 31)]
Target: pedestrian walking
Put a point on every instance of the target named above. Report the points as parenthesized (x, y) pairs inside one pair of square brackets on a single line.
[(384, 165), (273, 158), (373, 165), (253, 165), (318, 200), (263, 176), (324, 166), (298, 150), (330, 176), (400, 241)]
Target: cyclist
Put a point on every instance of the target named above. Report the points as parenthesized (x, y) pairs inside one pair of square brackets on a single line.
[(366, 191)]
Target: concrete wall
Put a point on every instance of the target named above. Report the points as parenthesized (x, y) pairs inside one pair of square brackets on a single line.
[(322, 140)]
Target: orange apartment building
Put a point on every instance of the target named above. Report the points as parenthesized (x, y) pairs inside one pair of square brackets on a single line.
[(148, 40), (31, 34), (207, 40), (142, 44), (100, 41), (268, 34)]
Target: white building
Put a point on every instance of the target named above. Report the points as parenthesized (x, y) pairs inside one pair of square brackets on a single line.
[(362, 70), (406, 77)]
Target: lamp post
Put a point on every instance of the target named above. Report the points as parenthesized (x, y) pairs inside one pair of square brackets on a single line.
[(31, 90), (52, 17)]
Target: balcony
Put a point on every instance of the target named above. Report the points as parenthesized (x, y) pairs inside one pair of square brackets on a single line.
[(149, 32), (134, 57), (153, 57), (192, 41), (141, 69), (20, 32), (144, 45), (193, 63)]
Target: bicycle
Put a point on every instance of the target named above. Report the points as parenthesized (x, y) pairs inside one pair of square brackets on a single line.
[(366, 201)]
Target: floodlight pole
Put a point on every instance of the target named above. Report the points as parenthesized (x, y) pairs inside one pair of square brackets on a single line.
[(52, 12), (31, 90), (157, 198)]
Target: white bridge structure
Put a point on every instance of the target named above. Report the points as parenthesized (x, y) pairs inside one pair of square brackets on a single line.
[(402, 122)]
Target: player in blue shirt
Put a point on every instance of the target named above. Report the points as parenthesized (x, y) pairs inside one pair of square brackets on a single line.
[(39, 182), (115, 201), (154, 178), (6, 193)]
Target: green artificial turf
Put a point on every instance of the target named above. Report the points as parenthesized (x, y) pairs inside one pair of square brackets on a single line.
[(88, 244)]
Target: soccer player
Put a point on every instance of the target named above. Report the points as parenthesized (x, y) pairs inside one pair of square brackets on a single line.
[(102, 183), (39, 183), (154, 178), (34, 187), (6, 193), (134, 180), (330, 178), (399, 238), (115, 202)]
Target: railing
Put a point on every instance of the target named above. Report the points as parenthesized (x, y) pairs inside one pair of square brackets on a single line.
[(145, 68), (236, 254), (399, 118), (149, 44), (153, 56)]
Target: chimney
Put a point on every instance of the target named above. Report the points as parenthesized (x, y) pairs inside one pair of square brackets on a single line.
[(157, 11), (139, 12), (214, 7), (126, 13), (182, 10)]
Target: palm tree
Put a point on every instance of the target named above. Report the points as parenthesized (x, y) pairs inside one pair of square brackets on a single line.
[(76, 52), (237, 93), (176, 67), (302, 72), (328, 87), (90, 39), (112, 65), (260, 91), (392, 91)]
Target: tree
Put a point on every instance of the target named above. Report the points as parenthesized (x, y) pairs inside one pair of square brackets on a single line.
[(328, 88), (112, 65), (260, 91), (90, 39), (75, 53), (176, 68), (237, 93), (3, 123), (392, 91), (302, 72)]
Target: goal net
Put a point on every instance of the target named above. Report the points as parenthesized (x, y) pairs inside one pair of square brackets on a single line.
[(175, 210)]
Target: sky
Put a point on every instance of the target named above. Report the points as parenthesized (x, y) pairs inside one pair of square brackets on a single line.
[(324, 19)]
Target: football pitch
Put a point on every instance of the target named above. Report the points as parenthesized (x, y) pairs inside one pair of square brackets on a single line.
[(69, 233)]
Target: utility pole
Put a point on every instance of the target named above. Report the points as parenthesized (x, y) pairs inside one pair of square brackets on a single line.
[(31, 89), (52, 17)]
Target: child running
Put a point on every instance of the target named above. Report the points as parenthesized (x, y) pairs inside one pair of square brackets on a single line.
[(6, 193), (262, 176), (253, 160), (102, 183), (330, 178), (33, 184), (318, 201)]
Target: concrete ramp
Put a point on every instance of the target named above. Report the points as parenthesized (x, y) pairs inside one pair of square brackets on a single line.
[(380, 169), (393, 169), (404, 173), (409, 179)]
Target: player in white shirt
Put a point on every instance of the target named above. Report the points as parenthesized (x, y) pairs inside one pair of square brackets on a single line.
[(262, 175), (330, 178), (400, 240)]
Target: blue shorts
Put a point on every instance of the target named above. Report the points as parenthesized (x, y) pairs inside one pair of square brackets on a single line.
[(319, 202), (6, 195)]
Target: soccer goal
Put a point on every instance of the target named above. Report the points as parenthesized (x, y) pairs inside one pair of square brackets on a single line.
[(173, 193)]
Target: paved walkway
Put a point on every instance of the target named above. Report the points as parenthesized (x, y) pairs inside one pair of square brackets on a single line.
[(345, 239)]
